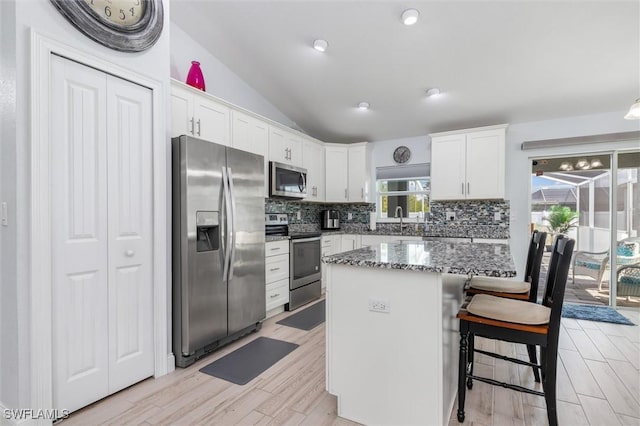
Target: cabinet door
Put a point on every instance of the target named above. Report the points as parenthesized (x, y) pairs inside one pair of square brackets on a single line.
[(313, 161), (336, 177), (358, 176), (485, 164), (181, 112), (211, 121), (252, 135), (448, 156), (294, 143), (350, 242), (249, 134), (278, 151)]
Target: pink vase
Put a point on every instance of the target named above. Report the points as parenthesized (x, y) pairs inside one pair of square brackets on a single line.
[(195, 77)]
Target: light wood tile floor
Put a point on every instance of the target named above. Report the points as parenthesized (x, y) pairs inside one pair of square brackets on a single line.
[(598, 384)]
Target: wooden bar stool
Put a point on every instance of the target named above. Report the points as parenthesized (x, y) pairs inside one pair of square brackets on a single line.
[(513, 289), (519, 322)]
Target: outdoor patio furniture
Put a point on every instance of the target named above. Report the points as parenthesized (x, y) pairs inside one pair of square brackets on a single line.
[(595, 264), (628, 281)]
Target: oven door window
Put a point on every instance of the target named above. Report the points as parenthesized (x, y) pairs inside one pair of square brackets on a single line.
[(305, 258), (290, 181)]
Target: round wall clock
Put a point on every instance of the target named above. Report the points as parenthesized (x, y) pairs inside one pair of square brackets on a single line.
[(124, 25), (401, 155)]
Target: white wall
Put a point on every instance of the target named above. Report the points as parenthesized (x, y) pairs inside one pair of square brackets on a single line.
[(41, 16), (8, 288), (518, 167), (219, 80), (382, 152)]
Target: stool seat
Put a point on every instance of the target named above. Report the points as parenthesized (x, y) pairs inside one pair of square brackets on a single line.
[(509, 310), (501, 285)]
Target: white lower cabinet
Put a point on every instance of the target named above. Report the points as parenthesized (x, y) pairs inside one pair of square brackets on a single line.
[(349, 242), (327, 248), (276, 274)]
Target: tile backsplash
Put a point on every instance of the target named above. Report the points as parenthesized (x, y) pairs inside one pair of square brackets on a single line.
[(310, 213), (471, 218)]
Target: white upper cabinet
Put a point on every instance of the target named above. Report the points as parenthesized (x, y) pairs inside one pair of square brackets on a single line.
[(468, 164), (347, 173), (252, 135), (358, 174), (285, 147), (196, 114), (313, 161), (337, 163)]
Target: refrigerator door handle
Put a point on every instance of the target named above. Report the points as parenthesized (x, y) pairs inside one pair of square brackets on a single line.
[(232, 245), (228, 224)]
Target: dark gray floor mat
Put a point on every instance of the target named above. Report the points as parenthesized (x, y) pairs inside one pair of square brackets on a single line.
[(307, 318), (248, 362)]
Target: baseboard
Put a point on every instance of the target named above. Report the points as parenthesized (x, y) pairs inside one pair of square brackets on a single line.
[(171, 363)]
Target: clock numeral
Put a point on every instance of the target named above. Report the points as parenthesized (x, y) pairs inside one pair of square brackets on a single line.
[(132, 10), (107, 10), (122, 15)]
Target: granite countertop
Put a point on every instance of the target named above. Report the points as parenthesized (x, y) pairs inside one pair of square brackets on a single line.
[(463, 258), (270, 238)]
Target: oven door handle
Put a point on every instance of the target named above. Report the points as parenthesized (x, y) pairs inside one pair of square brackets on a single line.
[(305, 240)]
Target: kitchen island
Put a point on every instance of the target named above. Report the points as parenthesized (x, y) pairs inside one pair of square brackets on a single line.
[(392, 336)]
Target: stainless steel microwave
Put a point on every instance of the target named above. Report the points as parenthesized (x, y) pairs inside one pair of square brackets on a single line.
[(287, 181)]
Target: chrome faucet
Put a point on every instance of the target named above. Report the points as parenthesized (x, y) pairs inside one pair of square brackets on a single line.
[(401, 214)]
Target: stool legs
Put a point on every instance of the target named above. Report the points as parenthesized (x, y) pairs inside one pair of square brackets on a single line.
[(462, 372), (534, 360)]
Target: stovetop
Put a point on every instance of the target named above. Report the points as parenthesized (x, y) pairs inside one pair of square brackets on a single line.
[(298, 235)]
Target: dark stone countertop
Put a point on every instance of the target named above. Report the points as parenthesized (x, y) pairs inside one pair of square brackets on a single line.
[(465, 258)]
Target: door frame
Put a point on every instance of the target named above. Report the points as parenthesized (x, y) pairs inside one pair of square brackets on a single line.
[(40, 263)]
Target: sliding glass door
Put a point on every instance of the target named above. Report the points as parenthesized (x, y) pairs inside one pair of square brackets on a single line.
[(573, 195)]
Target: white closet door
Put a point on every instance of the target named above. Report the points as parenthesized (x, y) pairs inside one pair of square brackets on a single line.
[(129, 160), (79, 234)]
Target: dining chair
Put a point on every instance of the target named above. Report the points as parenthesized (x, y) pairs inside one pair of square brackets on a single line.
[(519, 321), (514, 289)]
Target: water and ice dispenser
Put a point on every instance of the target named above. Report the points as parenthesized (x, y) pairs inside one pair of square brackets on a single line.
[(207, 231)]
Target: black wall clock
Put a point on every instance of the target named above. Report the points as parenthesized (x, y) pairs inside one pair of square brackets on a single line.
[(124, 25), (401, 155)]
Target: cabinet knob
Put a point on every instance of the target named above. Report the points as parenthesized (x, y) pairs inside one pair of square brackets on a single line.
[(191, 121), (129, 253), (198, 127), (462, 190), (273, 296), (345, 193)]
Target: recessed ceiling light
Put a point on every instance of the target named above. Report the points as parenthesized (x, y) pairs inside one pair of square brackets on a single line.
[(410, 16), (320, 45), (363, 105), (434, 92)]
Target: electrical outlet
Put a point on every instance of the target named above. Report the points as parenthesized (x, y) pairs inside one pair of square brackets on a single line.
[(497, 216), (349, 216), (379, 305), (451, 215), (298, 215)]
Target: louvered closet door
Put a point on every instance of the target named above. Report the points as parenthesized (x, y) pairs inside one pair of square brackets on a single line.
[(102, 242), (129, 160), (80, 235)]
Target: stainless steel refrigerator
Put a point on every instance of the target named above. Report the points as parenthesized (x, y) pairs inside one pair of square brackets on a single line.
[(218, 246)]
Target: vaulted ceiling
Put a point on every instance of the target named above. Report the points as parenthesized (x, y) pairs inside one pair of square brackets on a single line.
[(494, 61)]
